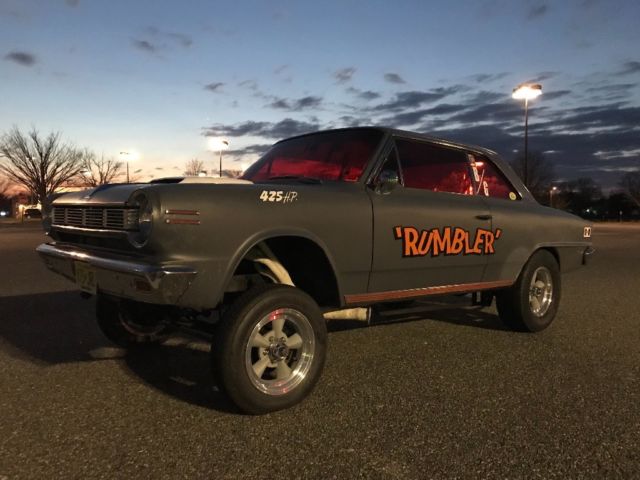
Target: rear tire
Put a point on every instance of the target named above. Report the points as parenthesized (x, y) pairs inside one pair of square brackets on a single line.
[(269, 349), (128, 324), (532, 302)]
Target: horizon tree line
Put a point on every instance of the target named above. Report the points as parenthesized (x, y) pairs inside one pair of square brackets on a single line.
[(42, 164)]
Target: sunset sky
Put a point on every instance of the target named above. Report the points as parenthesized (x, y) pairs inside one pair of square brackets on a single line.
[(156, 77)]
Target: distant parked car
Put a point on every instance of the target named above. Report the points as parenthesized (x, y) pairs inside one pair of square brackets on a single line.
[(342, 219), (32, 213)]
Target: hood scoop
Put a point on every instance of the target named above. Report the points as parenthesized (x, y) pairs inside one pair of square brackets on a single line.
[(209, 180)]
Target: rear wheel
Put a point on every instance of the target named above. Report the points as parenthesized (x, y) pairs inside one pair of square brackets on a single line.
[(269, 349), (127, 323), (532, 302)]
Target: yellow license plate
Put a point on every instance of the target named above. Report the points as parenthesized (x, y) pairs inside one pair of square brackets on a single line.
[(86, 277)]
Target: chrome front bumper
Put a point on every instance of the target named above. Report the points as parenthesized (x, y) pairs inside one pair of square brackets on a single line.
[(121, 277)]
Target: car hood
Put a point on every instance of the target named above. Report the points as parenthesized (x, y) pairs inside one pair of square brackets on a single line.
[(120, 193)]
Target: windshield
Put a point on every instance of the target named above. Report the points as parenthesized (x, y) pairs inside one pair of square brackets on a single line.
[(337, 156)]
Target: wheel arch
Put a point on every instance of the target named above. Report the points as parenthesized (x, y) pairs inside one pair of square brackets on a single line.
[(552, 250), (304, 257)]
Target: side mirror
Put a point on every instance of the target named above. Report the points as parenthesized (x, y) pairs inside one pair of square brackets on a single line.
[(387, 181)]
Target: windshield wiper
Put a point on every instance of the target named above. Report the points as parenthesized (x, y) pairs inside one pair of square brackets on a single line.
[(297, 178)]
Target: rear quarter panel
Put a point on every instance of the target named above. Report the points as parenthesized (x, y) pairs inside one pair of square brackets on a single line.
[(527, 227)]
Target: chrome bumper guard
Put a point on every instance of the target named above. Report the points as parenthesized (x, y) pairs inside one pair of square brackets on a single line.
[(160, 284)]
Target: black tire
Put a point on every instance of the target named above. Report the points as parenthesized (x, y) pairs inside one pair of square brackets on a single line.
[(128, 324), (531, 304), (269, 349)]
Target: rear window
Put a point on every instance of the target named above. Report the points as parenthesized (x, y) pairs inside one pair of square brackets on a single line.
[(490, 181), (338, 156)]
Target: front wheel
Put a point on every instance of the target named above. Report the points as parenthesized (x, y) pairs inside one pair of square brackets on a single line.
[(269, 349), (532, 302)]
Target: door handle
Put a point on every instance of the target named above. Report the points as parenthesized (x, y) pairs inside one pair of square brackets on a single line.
[(484, 217)]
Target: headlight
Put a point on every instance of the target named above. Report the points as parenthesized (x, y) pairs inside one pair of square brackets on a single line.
[(139, 237)]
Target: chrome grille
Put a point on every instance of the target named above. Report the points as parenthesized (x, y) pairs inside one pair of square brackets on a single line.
[(105, 218)]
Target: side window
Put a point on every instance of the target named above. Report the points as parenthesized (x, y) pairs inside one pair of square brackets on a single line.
[(391, 164), (490, 181), (431, 167)]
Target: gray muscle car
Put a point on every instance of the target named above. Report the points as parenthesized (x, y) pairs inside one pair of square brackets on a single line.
[(323, 225)]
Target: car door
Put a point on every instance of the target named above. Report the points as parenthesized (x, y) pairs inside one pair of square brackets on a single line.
[(430, 230)]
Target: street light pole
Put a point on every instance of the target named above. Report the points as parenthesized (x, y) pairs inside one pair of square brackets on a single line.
[(127, 160), (551, 190), (223, 144), (526, 142), (526, 92)]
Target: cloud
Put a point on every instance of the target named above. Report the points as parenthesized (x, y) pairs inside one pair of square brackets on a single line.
[(537, 11), (180, 38), (154, 40), (214, 87), (281, 104), (411, 118), (366, 95), (498, 113), (489, 77), (609, 88), (610, 92), (144, 45), (394, 78), (629, 68), (413, 99), (255, 149), (282, 129), (175, 38), (610, 117), (21, 58), (483, 97), (72, 3), (249, 85), (296, 105), (556, 94), (344, 74), (352, 121), (541, 77)]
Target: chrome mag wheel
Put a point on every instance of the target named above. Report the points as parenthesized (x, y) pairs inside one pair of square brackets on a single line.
[(280, 351), (540, 291)]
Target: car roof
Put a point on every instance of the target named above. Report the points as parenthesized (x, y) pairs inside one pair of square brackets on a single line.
[(404, 134)]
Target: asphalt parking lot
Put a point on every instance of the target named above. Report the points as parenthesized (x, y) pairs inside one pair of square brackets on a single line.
[(441, 393)]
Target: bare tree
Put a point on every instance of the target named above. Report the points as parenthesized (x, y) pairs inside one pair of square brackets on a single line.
[(98, 171), (540, 174), (5, 186), (42, 165), (193, 167), (630, 181)]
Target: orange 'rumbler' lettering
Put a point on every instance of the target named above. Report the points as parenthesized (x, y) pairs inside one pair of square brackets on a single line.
[(448, 241), (457, 243), (441, 241)]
